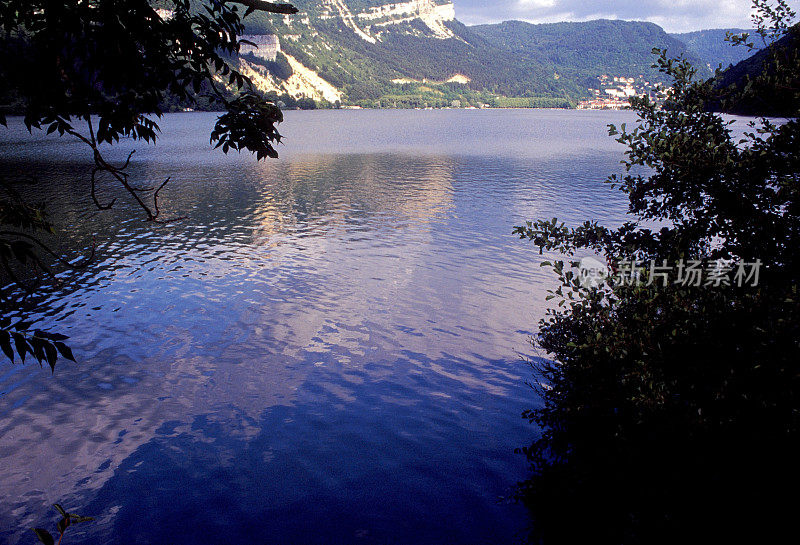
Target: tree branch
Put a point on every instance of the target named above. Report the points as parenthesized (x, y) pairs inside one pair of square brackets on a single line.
[(121, 176), (47, 249), (155, 196), (271, 7), (94, 193)]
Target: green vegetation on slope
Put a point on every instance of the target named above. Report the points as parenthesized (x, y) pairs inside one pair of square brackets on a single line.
[(711, 48), (408, 64), (765, 84), (587, 50), (365, 71)]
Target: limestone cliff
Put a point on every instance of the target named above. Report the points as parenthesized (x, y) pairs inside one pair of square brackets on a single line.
[(384, 52)]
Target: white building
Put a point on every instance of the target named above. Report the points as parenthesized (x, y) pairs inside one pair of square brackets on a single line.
[(266, 46)]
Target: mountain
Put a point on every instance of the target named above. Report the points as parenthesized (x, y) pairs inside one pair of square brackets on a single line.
[(780, 96), (415, 53), (406, 54), (590, 49), (710, 46)]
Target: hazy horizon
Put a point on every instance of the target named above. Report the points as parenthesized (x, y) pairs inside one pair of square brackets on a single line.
[(673, 16)]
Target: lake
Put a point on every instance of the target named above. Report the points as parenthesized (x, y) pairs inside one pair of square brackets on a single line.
[(329, 349)]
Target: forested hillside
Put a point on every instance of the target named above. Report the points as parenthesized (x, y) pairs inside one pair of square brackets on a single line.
[(374, 53), (590, 49), (409, 56), (776, 93), (711, 47)]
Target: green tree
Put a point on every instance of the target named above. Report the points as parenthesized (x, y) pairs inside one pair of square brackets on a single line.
[(306, 103), (99, 70), (670, 409)]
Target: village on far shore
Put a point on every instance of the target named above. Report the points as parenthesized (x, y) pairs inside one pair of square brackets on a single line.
[(615, 92)]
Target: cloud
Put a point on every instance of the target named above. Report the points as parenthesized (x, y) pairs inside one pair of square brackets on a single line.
[(673, 15)]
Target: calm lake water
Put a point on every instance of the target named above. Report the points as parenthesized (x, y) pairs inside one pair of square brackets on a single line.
[(328, 350)]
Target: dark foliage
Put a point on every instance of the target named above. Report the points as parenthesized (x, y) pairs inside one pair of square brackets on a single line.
[(766, 83), (116, 59), (671, 410), (247, 126), (24, 262), (100, 70)]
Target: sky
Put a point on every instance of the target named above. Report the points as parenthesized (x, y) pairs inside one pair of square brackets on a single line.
[(672, 15)]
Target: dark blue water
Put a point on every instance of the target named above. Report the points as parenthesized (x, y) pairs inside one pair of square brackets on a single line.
[(329, 349)]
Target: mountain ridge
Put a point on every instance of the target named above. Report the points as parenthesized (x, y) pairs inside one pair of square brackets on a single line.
[(416, 53), (363, 48), (711, 46), (592, 48)]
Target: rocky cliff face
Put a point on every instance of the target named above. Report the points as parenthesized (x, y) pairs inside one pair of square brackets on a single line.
[(370, 20), (303, 82), (412, 53), (435, 16), (324, 30)]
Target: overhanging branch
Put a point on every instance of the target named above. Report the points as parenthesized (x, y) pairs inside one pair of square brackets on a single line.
[(263, 5)]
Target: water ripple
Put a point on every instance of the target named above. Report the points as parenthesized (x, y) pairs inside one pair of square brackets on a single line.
[(330, 336)]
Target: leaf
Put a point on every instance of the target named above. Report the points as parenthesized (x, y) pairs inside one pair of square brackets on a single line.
[(63, 524), (65, 350), (52, 355), (38, 349), (22, 325), (60, 509), (50, 336), (21, 344), (44, 536), (5, 344)]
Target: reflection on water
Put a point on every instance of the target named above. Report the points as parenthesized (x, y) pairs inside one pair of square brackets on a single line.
[(325, 351)]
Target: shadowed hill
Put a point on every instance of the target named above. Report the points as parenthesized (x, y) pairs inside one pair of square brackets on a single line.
[(773, 96), (711, 47)]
